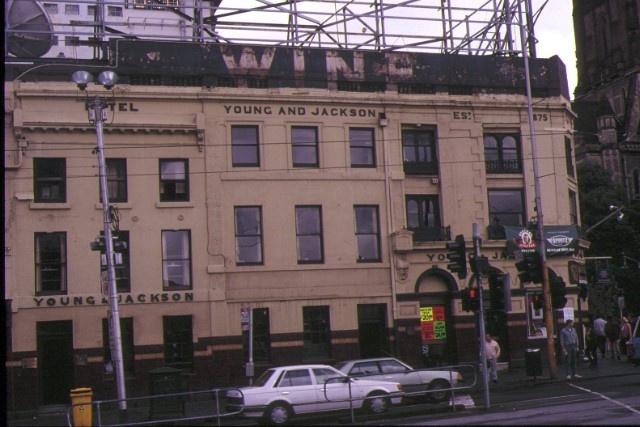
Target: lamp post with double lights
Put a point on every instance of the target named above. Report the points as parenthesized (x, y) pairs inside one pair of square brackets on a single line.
[(97, 111)]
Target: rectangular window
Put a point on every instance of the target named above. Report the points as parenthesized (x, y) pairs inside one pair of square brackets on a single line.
[(367, 232), (49, 180), (309, 234), (51, 8), (248, 229), (245, 146), (502, 153), (419, 152), (114, 11), (176, 260), (126, 337), (116, 170), (362, 147), (573, 207), (568, 153), (178, 342), (304, 146), (423, 217), (506, 207), (174, 180), (51, 263), (316, 333), (91, 11), (261, 336), (72, 9)]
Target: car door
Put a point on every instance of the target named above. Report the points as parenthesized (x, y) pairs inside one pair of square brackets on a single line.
[(337, 394), (393, 370), (298, 388)]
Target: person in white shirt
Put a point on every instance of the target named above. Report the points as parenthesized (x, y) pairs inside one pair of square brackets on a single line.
[(491, 353)]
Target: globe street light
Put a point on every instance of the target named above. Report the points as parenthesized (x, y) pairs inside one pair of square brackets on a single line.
[(97, 111)]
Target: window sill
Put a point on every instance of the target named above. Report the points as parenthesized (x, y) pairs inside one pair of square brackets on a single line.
[(45, 206), (162, 205)]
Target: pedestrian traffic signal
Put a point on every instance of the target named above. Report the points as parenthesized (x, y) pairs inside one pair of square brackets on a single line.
[(500, 292), (558, 292), (530, 268), (457, 256), (538, 301), (474, 299)]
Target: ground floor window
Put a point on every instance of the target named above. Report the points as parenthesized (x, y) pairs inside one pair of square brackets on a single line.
[(178, 341), (317, 332)]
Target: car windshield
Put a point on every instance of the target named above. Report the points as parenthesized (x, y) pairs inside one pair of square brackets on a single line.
[(262, 379)]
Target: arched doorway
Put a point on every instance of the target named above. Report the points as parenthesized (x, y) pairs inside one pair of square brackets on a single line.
[(435, 289)]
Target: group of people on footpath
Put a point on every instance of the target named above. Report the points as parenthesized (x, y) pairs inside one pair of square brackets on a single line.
[(607, 337)]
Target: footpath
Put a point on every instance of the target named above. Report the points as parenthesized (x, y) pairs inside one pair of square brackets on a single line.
[(507, 379)]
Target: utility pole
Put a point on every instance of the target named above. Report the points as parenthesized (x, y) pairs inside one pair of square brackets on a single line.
[(483, 359), (96, 109), (546, 289)]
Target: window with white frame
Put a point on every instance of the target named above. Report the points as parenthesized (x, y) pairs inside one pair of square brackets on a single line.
[(248, 231), (362, 147), (176, 260), (367, 233), (309, 234), (51, 263)]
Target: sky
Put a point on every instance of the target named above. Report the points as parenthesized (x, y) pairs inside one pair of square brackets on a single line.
[(554, 31)]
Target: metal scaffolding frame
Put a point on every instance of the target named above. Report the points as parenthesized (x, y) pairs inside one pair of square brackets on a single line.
[(438, 26)]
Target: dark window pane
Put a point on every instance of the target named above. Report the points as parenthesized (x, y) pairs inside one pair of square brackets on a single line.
[(49, 180), (362, 147), (304, 146), (174, 180), (244, 142), (248, 229)]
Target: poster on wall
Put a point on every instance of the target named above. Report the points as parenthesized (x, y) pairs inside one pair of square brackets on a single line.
[(433, 324)]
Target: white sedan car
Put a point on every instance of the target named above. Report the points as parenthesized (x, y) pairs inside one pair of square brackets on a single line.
[(435, 384), (281, 393)]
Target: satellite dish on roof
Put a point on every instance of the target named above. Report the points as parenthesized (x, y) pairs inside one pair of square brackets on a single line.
[(29, 28)]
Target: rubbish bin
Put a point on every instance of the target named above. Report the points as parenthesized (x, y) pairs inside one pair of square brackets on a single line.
[(81, 412), (533, 362), (167, 381)]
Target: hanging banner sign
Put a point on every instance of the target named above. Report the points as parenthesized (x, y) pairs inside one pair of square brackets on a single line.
[(560, 240), (433, 323)]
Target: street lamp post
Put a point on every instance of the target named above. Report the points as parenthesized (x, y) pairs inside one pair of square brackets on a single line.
[(96, 109), (546, 289)]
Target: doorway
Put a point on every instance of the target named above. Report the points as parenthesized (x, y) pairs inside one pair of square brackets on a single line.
[(55, 361), (372, 330)]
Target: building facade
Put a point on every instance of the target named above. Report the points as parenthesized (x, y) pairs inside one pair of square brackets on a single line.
[(607, 99), (315, 187)]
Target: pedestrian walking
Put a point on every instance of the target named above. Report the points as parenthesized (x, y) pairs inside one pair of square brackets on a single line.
[(569, 345), (625, 335), (612, 333), (591, 345), (492, 353), (598, 328)]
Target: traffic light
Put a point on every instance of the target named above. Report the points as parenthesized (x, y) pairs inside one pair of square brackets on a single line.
[(474, 299), (530, 268), (119, 245), (558, 292), (458, 257), (583, 291), (538, 301), (98, 244), (500, 292), (466, 304)]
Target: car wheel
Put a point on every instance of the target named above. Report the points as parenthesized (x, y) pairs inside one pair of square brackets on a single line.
[(278, 413), (377, 404), (442, 394)]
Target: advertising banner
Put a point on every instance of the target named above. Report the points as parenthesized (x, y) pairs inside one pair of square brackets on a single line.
[(560, 240)]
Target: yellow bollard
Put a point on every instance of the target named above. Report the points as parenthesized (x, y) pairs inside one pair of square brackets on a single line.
[(81, 407)]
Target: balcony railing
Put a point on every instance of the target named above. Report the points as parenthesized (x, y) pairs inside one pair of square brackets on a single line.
[(431, 234), (503, 166), (420, 168)]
